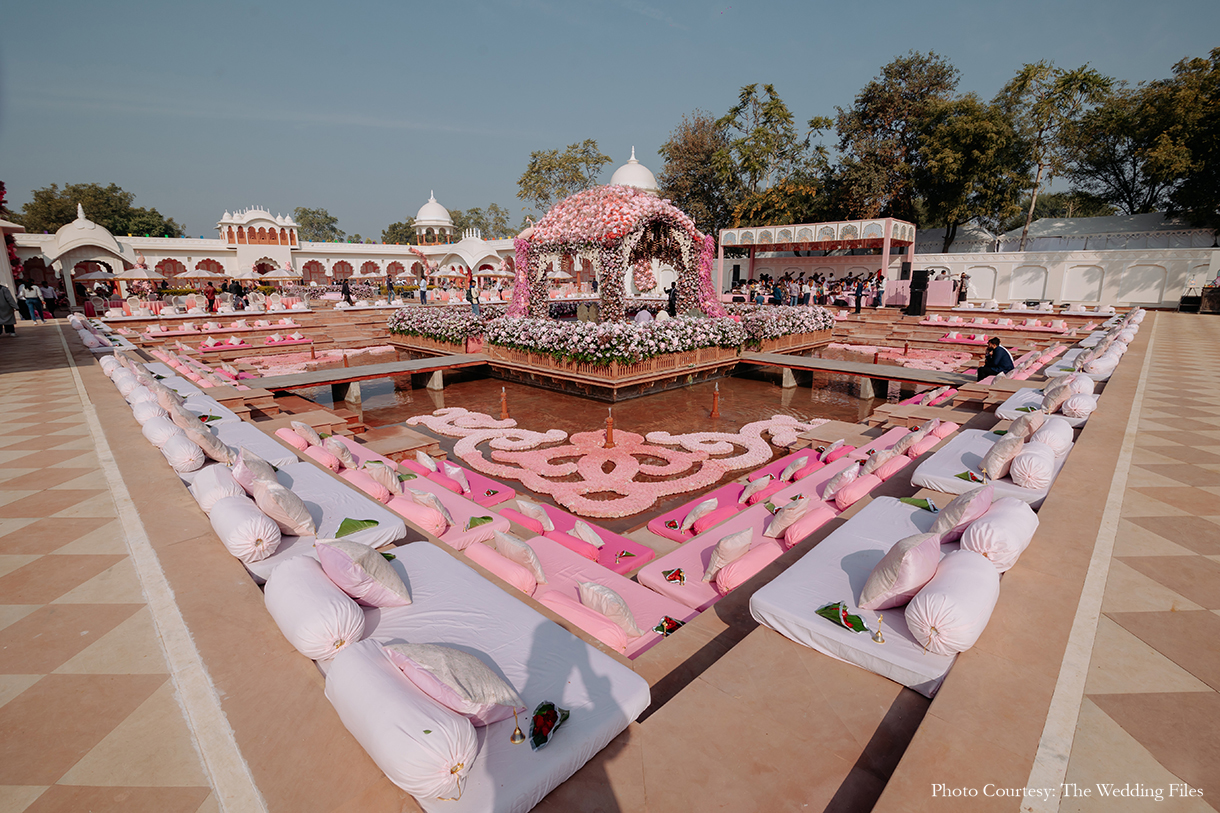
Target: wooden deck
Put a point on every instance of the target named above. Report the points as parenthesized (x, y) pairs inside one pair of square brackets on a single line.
[(880, 372), (347, 375)]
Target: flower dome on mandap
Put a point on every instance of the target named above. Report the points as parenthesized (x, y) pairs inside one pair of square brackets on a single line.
[(614, 228)]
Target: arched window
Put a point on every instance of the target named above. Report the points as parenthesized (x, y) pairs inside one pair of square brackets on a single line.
[(313, 271), (283, 237), (170, 267), (232, 239), (370, 267), (208, 264), (293, 235), (241, 235), (341, 270)]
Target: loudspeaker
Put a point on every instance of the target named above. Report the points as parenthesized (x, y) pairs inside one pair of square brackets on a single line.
[(919, 303), (906, 271), (919, 279)]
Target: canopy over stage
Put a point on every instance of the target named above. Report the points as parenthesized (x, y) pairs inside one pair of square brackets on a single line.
[(884, 233)]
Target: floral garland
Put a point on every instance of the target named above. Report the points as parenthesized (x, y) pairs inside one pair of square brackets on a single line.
[(453, 324), (606, 342), (515, 455), (642, 276), (773, 321), (709, 302)]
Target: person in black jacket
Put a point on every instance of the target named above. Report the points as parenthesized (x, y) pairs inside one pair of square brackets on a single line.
[(672, 307), (346, 290), (998, 359)]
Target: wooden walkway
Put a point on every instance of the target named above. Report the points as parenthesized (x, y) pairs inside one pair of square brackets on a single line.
[(880, 372), (347, 375)]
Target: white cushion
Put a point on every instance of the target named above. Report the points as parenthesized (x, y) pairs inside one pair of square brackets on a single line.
[(308, 432), (316, 617), (729, 549), (183, 453), (513, 549), (1034, 467), (456, 474), (609, 603), (793, 467), (144, 411), (840, 480), (140, 394), (286, 508), (159, 430), (1003, 533), (535, 512), (1056, 433), (951, 611), (1079, 406), (214, 483), (245, 531), (700, 510), (586, 533), (426, 461)]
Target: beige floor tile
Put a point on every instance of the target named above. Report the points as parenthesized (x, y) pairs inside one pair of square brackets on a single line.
[(108, 539), (97, 479), (1137, 504), (84, 461), (210, 805), (1129, 591), (6, 456), (1138, 478), (12, 613), (1132, 540), (12, 495), (16, 798), (101, 505), (12, 477), (151, 748), (133, 647), (115, 585), (13, 685), (1123, 664), (7, 526), (10, 562), (1104, 753), (1142, 455)]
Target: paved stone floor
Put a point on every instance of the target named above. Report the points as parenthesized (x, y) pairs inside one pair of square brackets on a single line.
[(90, 718)]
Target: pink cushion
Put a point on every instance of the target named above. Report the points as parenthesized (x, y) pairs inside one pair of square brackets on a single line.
[(944, 429), (818, 515), (479, 714), (808, 470), (901, 573), (495, 562), (292, 439), (573, 544), (429, 519), (921, 447), (891, 467), (447, 482), (324, 457), (853, 491), (350, 577), (762, 494), (522, 520), (839, 452), (366, 484), (412, 466), (737, 572), (714, 518), (591, 621)]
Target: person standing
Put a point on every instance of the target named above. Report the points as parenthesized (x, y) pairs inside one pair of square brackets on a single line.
[(8, 311), (209, 293), (346, 290), (49, 297), (963, 287), (472, 296), (672, 306), (859, 292), (33, 300)]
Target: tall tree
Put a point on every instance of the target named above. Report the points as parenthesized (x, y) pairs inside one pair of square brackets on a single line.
[(108, 206), (763, 146), (552, 175), (491, 222), (879, 136), (690, 178), (400, 233), (1044, 102), (972, 165), (317, 225)]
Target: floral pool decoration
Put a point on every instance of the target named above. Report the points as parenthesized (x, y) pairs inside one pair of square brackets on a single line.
[(606, 342), (538, 459), (614, 229)]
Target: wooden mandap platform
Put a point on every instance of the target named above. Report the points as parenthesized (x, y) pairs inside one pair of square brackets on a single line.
[(613, 382)]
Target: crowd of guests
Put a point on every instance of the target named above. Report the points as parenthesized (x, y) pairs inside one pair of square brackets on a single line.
[(862, 289)]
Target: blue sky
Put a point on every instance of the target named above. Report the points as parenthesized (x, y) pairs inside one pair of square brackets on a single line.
[(362, 108)]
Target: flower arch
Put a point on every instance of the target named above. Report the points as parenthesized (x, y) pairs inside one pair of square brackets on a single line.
[(613, 228)]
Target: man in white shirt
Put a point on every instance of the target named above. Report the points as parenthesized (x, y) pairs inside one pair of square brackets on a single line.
[(33, 300)]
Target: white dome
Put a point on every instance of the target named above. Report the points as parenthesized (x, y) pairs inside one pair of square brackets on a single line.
[(633, 173), (433, 214), (84, 232)]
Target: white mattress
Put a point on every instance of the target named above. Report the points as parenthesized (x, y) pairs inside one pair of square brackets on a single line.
[(161, 368), (1094, 338), (1064, 365), (1028, 397), (965, 452), (836, 570), (256, 440), (183, 386), (207, 406), (454, 606), (329, 503)]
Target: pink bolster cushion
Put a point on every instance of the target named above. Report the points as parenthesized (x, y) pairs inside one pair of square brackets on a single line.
[(424, 517), (446, 481), (719, 515), (366, 484), (944, 429), (324, 457), (522, 520), (818, 515), (801, 474), (923, 446), (292, 439), (591, 621), (762, 495), (573, 544), (892, 466), (737, 572), (412, 466), (839, 452), (853, 491), (496, 563)]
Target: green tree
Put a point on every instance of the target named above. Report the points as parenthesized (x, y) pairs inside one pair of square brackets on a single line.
[(785, 202), (108, 206), (1044, 102), (763, 146), (972, 166), (552, 176), (400, 233), (491, 222), (689, 177), (317, 225), (879, 136)]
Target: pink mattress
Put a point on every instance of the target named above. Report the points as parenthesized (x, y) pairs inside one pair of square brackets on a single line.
[(483, 490), (726, 494), (565, 569), (620, 554), (287, 341), (981, 341), (220, 347)]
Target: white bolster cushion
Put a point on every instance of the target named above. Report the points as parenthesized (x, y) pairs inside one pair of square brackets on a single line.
[(1034, 467), (144, 411), (183, 453), (140, 394), (950, 613), (159, 430), (125, 382), (316, 617), (1003, 533), (1056, 433), (247, 532), (214, 483), (388, 715), (1079, 406)]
